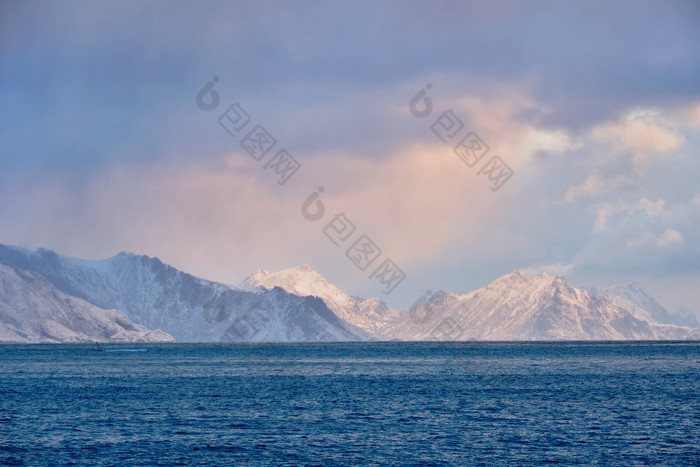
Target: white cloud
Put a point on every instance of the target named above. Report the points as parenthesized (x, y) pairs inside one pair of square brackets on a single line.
[(596, 185), (643, 134), (670, 238), (644, 237), (646, 242), (617, 210)]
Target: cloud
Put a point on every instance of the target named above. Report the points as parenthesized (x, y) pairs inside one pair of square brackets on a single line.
[(208, 219), (221, 216), (642, 135), (596, 111), (219, 219), (596, 186), (668, 239), (93, 88), (692, 115), (622, 210), (651, 236)]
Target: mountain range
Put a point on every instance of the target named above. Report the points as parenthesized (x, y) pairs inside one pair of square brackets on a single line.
[(34, 311), (636, 300), (46, 297)]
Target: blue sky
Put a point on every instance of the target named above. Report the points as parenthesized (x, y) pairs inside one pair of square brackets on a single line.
[(595, 106)]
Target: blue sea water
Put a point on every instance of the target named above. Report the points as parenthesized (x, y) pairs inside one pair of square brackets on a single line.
[(359, 403)]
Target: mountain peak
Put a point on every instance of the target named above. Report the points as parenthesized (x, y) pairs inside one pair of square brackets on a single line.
[(549, 279), (301, 279), (518, 276), (555, 279)]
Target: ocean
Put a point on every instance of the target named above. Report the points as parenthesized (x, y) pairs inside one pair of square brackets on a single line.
[(393, 403)]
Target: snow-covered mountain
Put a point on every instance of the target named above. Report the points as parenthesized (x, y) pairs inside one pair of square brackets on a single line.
[(640, 304), (34, 311), (518, 307), (513, 307), (156, 295), (298, 304), (371, 318)]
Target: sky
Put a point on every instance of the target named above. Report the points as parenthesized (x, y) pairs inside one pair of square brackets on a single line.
[(394, 146)]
